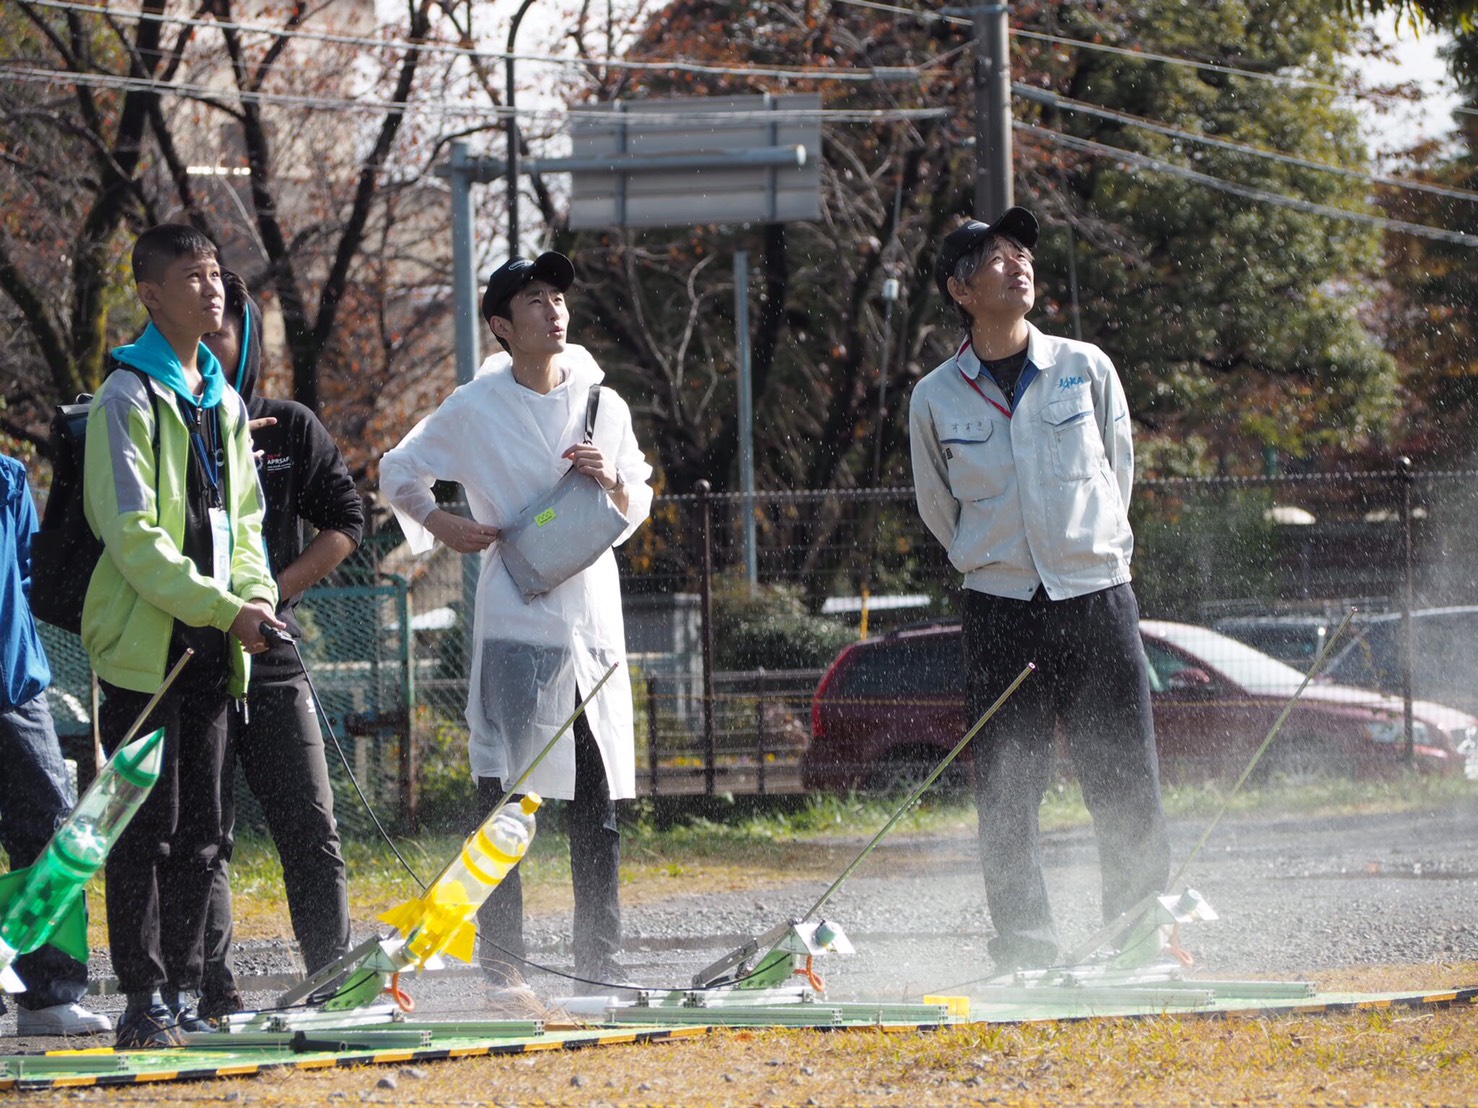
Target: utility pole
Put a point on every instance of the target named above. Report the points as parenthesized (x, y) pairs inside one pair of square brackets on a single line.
[(509, 94), (746, 415), (993, 187)]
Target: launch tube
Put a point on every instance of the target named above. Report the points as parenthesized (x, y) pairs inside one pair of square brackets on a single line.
[(45, 902)]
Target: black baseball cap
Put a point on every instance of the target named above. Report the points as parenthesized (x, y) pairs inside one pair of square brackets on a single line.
[(1015, 223), (515, 273)]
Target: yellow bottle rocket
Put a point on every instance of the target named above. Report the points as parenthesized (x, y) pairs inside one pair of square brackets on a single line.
[(440, 920)]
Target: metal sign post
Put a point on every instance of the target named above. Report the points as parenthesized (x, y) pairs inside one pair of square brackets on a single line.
[(766, 168), (746, 413)]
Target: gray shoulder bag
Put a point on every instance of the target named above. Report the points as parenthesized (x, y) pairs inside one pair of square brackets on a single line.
[(565, 530)]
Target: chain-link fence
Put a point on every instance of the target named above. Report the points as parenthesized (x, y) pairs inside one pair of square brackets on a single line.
[(359, 652), (1204, 547), (359, 660), (725, 660)]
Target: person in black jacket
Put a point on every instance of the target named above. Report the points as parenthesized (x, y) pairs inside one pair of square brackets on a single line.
[(280, 746)]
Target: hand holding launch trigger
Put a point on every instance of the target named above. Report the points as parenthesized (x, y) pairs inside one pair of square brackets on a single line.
[(249, 620)]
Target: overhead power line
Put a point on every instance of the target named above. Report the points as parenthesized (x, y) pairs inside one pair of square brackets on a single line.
[(811, 73), (427, 105), (1042, 96), (468, 109), (431, 46), (445, 108), (1141, 54), (1159, 165)]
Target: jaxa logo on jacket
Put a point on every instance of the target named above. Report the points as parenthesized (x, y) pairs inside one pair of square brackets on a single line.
[(1040, 497)]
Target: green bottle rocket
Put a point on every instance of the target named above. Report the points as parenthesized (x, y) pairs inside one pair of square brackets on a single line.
[(44, 903)]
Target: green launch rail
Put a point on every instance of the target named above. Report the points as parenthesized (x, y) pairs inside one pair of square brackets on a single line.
[(400, 1043)]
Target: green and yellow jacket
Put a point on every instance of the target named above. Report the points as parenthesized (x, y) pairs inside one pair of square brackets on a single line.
[(135, 501)]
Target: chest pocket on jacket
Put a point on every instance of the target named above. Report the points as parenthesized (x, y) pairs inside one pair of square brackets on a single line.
[(1077, 445), (979, 465)]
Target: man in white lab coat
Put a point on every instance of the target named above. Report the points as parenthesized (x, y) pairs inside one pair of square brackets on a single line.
[(507, 437)]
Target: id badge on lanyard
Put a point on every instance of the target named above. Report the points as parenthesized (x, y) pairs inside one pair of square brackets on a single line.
[(220, 546), (213, 465)]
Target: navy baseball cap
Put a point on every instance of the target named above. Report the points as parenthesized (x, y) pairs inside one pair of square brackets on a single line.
[(1015, 223), (515, 273)]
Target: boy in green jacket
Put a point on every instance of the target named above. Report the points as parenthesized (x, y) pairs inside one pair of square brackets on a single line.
[(170, 487)]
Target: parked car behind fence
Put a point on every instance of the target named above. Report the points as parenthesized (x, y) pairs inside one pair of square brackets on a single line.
[(1368, 655), (888, 709)]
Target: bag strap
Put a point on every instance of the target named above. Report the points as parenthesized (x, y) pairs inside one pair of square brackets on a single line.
[(144, 380), (153, 406), (591, 406)]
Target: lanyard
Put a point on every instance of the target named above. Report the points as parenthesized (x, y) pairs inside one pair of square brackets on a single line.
[(212, 462), (974, 385), (998, 407)]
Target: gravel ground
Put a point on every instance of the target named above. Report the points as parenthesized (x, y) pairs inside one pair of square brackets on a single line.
[(1296, 896)]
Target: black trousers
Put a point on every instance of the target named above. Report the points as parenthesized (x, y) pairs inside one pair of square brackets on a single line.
[(595, 868), (35, 799), (160, 872), (280, 749), (1092, 679)]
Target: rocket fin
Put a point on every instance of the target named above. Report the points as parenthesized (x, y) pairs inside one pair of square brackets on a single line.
[(12, 883), (406, 917), (463, 942), (70, 935)]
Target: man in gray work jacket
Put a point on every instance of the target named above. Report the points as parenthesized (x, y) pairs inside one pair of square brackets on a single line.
[(1022, 465)]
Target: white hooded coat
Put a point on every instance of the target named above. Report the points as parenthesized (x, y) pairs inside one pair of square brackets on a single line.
[(530, 657)]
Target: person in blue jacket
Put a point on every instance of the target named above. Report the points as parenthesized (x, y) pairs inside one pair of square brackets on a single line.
[(36, 793)]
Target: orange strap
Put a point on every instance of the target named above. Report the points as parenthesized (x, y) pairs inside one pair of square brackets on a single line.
[(1180, 953), (811, 975), (399, 995)]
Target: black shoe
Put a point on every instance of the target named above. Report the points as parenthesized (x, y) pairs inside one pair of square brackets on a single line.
[(214, 1009), (189, 1022), (151, 1028)]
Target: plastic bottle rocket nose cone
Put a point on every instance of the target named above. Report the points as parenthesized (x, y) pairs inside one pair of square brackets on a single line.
[(140, 761)]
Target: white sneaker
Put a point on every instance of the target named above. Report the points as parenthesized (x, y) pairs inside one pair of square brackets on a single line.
[(60, 1019)]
